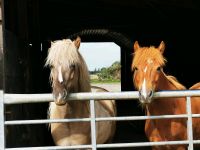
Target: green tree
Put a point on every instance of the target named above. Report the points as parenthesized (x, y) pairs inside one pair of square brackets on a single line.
[(112, 72)]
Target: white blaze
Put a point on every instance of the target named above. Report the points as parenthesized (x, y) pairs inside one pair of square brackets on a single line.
[(149, 61), (59, 96), (144, 90), (60, 77), (145, 69)]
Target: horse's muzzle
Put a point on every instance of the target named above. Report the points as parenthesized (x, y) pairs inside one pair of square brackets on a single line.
[(60, 99), (145, 98)]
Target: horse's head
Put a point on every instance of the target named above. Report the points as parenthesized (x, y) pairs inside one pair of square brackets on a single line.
[(147, 66), (63, 58)]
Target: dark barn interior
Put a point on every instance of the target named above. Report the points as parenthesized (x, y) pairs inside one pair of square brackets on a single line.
[(30, 25)]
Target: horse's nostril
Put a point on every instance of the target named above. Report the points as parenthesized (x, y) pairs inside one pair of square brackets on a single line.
[(65, 94), (140, 93), (150, 93)]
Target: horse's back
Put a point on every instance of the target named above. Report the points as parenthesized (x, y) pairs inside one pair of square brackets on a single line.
[(105, 108), (195, 101), (109, 105), (195, 86)]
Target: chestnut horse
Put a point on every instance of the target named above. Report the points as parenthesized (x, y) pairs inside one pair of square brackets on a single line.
[(195, 102), (69, 74), (149, 77)]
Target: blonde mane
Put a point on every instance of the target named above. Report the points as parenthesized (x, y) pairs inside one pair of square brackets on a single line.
[(64, 53), (144, 53), (70, 74)]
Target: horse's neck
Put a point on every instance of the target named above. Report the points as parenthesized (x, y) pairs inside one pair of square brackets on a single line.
[(165, 106), (164, 83), (78, 109), (71, 109), (84, 77)]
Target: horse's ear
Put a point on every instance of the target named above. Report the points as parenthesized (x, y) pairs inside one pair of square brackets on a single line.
[(162, 47), (77, 42), (136, 46)]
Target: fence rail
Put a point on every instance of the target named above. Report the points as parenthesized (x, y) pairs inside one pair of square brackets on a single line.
[(7, 99), (37, 98)]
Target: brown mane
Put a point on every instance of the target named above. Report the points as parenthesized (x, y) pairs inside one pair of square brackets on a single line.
[(149, 77), (145, 53), (175, 82), (140, 56), (195, 86)]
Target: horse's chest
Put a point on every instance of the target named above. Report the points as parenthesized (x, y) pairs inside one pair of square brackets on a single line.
[(166, 130)]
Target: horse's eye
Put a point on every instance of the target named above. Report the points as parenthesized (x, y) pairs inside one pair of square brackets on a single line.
[(72, 66), (159, 68), (135, 68), (51, 67)]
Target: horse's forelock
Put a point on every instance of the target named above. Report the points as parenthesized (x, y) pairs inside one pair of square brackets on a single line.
[(145, 53), (62, 53)]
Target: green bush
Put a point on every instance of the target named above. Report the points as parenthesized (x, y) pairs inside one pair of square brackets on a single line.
[(111, 73)]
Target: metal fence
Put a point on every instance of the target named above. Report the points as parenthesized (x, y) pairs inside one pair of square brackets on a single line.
[(6, 99)]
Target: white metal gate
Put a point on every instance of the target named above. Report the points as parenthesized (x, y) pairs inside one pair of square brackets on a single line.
[(36, 98)]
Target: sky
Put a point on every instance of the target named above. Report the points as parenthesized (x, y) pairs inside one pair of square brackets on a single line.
[(99, 54)]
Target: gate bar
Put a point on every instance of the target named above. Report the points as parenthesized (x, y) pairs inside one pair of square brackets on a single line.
[(36, 98), (52, 147), (189, 123), (93, 125), (115, 145), (2, 132), (43, 121)]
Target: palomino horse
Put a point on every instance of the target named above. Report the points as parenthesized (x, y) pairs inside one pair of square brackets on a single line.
[(149, 77), (69, 74)]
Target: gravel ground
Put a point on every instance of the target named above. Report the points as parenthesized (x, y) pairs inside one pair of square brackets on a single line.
[(112, 87)]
